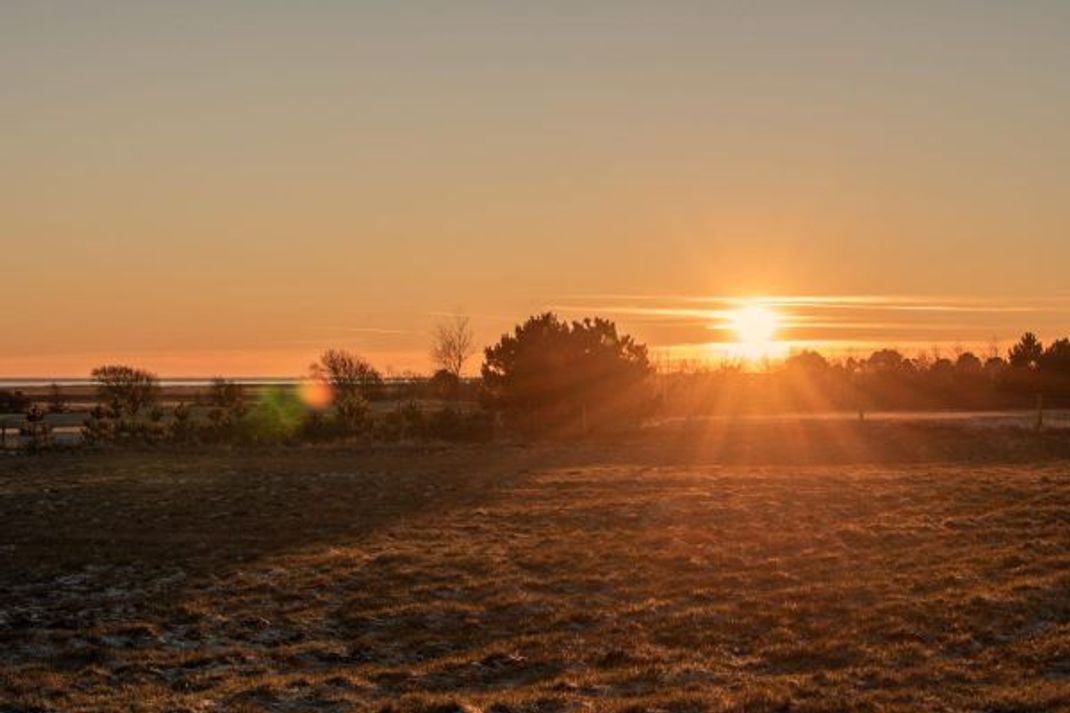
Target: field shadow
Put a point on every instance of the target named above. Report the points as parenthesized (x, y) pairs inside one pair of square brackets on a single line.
[(205, 511)]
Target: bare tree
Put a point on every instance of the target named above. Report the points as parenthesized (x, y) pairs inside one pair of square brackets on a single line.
[(346, 373), (452, 343), (352, 381)]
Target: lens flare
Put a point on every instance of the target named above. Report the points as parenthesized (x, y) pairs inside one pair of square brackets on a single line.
[(315, 394)]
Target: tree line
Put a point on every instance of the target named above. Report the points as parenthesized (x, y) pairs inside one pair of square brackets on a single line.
[(548, 375), (885, 380)]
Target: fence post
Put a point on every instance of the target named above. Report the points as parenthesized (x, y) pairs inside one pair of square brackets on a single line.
[(1040, 412)]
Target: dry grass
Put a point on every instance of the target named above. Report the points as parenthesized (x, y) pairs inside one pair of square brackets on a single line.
[(819, 568)]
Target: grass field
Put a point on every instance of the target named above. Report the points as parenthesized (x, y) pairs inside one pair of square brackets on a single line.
[(776, 567)]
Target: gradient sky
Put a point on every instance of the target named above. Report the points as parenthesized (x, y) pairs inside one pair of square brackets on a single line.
[(228, 187)]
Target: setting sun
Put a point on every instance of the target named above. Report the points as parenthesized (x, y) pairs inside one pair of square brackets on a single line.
[(756, 328)]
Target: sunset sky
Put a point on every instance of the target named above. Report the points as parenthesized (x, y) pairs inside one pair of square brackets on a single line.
[(230, 187)]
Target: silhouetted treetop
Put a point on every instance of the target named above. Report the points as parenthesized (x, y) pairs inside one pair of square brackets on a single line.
[(551, 373), (886, 360), (1056, 357), (806, 361), (995, 364), (968, 362), (1026, 354)]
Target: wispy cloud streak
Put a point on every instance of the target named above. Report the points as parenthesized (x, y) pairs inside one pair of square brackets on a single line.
[(835, 320)]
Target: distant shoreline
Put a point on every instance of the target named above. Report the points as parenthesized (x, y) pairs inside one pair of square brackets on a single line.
[(29, 382)]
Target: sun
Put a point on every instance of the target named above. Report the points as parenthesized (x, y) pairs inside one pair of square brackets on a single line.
[(756, 329), (755, 324)]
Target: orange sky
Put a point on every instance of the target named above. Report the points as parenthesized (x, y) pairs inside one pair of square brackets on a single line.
[(230, 188)]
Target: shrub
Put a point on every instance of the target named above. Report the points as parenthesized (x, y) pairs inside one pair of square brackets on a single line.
[(277, 418), (352, 382), (318, 427), (226, 400), (444, 385), (126, 390), (182, 428), (450, 424), (98, 427), (404, 422)]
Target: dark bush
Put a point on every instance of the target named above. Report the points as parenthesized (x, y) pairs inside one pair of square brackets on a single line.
[(13, 402), (444, 385), (551, 375)]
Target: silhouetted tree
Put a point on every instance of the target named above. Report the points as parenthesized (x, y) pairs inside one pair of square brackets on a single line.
[(1026, 354), (968, 363), (942, 366), (809, 362), (352, 381), (126, 390), (885, 360), (1056, 358), (552, 374), (994, 365), (452, 343)]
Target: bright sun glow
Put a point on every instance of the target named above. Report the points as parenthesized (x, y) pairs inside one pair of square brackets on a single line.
[(756, 329)]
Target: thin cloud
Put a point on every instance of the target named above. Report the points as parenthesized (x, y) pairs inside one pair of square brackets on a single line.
[(369, 330), (494, 317), (827, 321), (926, 302)]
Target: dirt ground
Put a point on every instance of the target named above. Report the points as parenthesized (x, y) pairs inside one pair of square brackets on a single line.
[(785, 567)]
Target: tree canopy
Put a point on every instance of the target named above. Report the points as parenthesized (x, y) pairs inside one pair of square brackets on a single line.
[(551, 374)]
